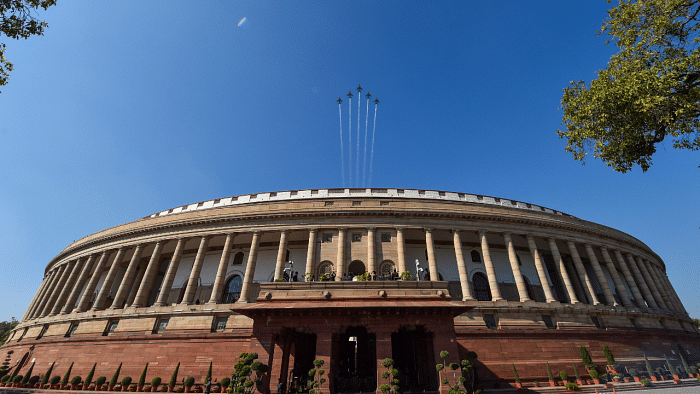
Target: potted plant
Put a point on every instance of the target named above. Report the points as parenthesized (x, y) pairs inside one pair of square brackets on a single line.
[(662, 374), (115, 378), (189, 382), (99, 383), (125, 383), (646, 383), (571, 386), (75, 382), (179, 389), (173, 379), (147, 388), (4, 380), (671, 369), (594, 375), (517, 378), (27, 376), (224, 384), (33, 381), (611, 365), (66, 378), (47, 375), (579, 381), (536, 383), (634, 374), (132, 388), (17, 380), (564, 377), (649, 370), (142, 379), (406, 276), (552, 383), (155, 382), (55, 382), (88, 378)]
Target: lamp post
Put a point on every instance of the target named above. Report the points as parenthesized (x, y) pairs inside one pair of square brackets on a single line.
[(418, 270)]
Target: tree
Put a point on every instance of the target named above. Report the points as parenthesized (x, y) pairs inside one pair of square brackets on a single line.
[(247, 376), (6, 326), (649, 92), (17, 20)]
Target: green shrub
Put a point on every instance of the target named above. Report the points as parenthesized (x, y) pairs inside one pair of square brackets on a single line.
[(5, 379), (515, 372), (208, 378), (17, 379), (225, 382), (406, 276), (115, 377), (47, 375), (66, 377), (571, 386), (280, 280), (34, 379), (100, 381), (88, 378), (594, 374), (28, 374), (563, 375), (76, 380), (126, 381), (645, 382), (173, 378), (648, 366), (55, 380), (142, 379), (155, 382), (585, 356), (578, 377), (633, 372), (549, 373), (189, 382), (608, 355)]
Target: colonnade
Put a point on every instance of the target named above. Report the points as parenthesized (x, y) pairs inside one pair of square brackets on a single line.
[(61, 289)]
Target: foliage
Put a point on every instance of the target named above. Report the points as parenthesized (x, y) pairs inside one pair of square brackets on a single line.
[(633, 372), (225, 382), (364, 277), (248, 374), (648, 365), (515, 372), (34, 379), (563, 375), (5, 378), (316, 374), (17, 379), (280, 280), (55, 380), (17, 21), (155, 382), (28, 374), (115, 377), (47, 375), (173, 378), (686, 368), (608, 355), (208, 378), (467, 377), (88, 378), (578, 377), (648, 92), (594, 374), (66, 377), (406, 276), (76, 380), (571, 386), (142, 379), (392, 382), (126, 381), (645, 382), (100, 381), (585, 357), (549, 372), (668, 364), (189, 382), (6, 363)]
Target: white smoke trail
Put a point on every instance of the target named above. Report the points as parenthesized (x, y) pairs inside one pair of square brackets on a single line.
[(342, 154), (371, 158), (350, 135), (364, 160), (357, 161)]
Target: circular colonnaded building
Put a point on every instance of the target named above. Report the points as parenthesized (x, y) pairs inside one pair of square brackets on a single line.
[(515, 282)]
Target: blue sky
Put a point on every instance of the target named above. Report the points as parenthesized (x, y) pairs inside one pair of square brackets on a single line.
[(124, 109)]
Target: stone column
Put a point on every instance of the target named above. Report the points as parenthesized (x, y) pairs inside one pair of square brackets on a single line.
[(371, 256), (218, 289), (75, 293), (95, 279), (462, 267), (582, 274), (310, 253), (607, 293), (340, 272), (642, 284), (672, 292), (515, 267), (619, 286), (401, 250), (630, 280), (660, 288), (652, 286), (38, 305), (65, 270), (434, 274), (252, 261), (134, 289), (281, 254), (170, 274), (120, 297), (37, 297), (149, 276), (663, 281), (541, 273), (67, 288), (192, 283), (490, 271), (562, 271)]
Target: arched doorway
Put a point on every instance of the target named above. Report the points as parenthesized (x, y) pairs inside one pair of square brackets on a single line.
[(482, 291), (412, 350), (232, 290), (355, 352), (356, 267), (324, 268), (386, 267)]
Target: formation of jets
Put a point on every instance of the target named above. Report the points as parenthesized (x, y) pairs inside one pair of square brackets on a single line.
[(359, 89)]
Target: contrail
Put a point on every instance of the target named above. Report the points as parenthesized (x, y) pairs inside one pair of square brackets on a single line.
[(371, 159), (350, 135), (342, 154), (364, 160), (357, 160)]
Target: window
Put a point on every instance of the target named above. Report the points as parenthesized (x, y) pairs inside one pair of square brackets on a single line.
[(232, 291), (220, 323), (386, 268), (325, 268), (482, 292), (356, 237), (43, 331), (490, 320), (238, 259), (476, 257), (161, 325), (22, 336), (383, 203), (356, 203), (386, 237), (328, 203), (111, 326), (71, 329), (547, 319), (327, 238)]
